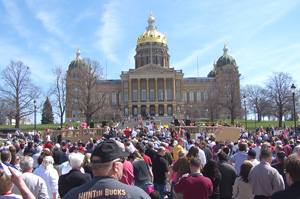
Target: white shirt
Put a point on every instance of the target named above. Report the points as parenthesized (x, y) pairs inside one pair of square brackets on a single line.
[(50, 176), (257, 150)]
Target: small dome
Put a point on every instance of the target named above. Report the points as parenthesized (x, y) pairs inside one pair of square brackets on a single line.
[(151, 34), (225, 59), (212, 73), (78, 62)]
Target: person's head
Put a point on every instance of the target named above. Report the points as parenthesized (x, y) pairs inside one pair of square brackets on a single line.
[(180, 141), (47, 160), (181, 153), (266, 155), (132, 157), (195, 165), (64, 149), (211, 170), (5, 181), (76, 160), (245, 169), (222, 156), (5, 156), (150, 145), (292, 169), (154, 195), (26, 163), (251, 154), (278, 148), (87, 159), (280, 157), (243, 146), (107, 159), (193, 152), (161, 151), (297, 150), (56, 147)]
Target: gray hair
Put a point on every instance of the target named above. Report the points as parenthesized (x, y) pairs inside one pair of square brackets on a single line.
[(76, 159), (26, 163), (47, 161)]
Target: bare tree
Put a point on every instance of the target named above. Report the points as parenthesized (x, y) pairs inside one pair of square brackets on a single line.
[(58, 90), (257, 99), (279, 92), (212, 104), (19, 90), (86, 88), (229, 93)]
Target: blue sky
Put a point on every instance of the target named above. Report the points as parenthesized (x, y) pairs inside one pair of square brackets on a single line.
[(263, 36)]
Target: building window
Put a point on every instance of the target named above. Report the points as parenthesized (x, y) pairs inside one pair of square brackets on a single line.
[(152, 59), (184, 96), (178, 109), (134, 95), (120, 97), (169, 94), (169, 110), (144, 61), (126, 111), (152, 95), (113, 98), (100, 97), (205, 95), (198, 96), (178, 83), (125, 84), (178, 96), (135, 111), (76, 90), (73, 114), (106, 98), (159, 61), (125, 97), (143, 95), (191, 96), (160, 94)]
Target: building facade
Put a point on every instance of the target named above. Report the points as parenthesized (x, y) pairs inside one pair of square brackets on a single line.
[(153, 88)]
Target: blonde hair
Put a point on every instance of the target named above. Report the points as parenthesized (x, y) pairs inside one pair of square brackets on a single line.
[(5, 181), (87, 159), (181, 153)]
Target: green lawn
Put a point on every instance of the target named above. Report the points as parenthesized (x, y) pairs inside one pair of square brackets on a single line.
[(250, 125)]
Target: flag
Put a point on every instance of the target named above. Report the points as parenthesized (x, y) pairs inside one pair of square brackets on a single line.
[(285, 130)]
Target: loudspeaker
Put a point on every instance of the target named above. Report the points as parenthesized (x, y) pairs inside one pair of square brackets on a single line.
[(176, 122), (187, 122), (104, 124)]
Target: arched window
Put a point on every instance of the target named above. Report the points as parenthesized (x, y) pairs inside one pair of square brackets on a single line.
[(198, 96), (205, 95), (100, 97), (106, 98), (113, 98), (184, 96), (159, 61), (120, 97), (191, 96), (126, 111)]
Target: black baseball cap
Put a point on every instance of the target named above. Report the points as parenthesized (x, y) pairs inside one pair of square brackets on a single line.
[(108, 151), (252, 153)]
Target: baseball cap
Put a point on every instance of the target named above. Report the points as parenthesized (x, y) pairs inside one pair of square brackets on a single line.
[(82, 148), (251, 153), (108, 151)]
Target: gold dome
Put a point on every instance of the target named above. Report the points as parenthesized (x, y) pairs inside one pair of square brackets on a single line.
[(151, 34)]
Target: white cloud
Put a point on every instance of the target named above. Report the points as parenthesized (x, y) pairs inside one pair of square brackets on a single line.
[(110, 33)]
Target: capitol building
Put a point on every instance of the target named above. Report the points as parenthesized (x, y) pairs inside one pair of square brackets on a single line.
[(155, 89)]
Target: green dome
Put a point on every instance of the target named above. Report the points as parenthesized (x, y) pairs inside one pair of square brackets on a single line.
[(212, 73), (225, 59), (78, 62)]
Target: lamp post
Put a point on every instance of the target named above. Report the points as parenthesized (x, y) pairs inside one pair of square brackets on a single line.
[(244, 97), (254, 107), (34, 102), (293, 88)]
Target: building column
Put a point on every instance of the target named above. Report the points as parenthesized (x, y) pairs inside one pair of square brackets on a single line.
[(156, 110), (174, 110), (139, 90), (165, 110), (130, 110), (174, 90), (156, 92), (129, 91), (165, 89), (147, 84), (139, 110)]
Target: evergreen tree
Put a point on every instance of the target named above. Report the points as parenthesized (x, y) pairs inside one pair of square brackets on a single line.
[(47, 114)]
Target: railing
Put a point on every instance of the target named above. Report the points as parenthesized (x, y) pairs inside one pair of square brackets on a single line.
[(76, 134)]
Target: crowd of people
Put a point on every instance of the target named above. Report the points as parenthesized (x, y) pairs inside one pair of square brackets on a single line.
[(147, 162)]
